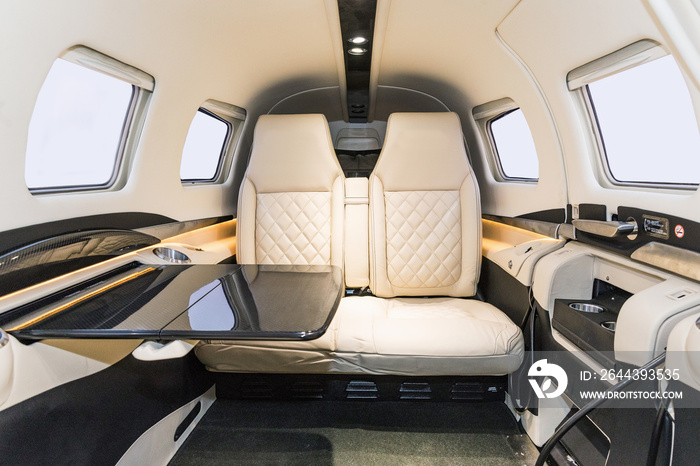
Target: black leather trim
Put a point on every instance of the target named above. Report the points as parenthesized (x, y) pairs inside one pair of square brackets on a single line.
[(94, 420), (689, 238), (592, 212), (551, 215), (13, 239)]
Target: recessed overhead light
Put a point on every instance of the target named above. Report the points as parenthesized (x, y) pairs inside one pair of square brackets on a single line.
[(357, 51), (358, 40)]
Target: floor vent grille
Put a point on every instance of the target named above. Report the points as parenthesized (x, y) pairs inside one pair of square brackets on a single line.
[(307, 391), (257, 390), (361, 390), (468, 391), (415, 391)]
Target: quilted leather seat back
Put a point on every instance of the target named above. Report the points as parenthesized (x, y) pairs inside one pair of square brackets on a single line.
[(425, 214), (290, 208)]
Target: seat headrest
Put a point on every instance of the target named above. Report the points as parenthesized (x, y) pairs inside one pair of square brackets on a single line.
[(292, 153), (423, 151)]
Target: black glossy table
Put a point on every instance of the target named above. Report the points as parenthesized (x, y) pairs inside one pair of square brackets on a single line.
[(172, 302)]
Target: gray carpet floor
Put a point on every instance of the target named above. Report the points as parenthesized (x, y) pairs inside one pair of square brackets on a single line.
[(356, 432)]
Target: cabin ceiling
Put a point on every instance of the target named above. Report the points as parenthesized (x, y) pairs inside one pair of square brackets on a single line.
[(288, 57), (234, 50), (256, 53), (447, 49)]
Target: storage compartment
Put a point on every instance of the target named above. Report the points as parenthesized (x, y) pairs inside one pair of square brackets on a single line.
[(591, 324)]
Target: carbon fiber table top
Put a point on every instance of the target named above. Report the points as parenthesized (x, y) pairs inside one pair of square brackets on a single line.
[(222, 302)]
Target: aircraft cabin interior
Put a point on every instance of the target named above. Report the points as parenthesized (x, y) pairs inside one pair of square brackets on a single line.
[(339, 232)]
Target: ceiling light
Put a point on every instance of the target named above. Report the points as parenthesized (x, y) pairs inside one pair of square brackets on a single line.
[(357, 51), (358, 40)]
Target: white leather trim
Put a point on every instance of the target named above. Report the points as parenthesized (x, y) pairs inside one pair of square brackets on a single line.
[(418, 365), (439, 336), (292, 153), (516, 250), (50, 363), (290, 206), (423, 151), (155, 351), (338, 221), (569, 273), (423, 238), (270, 356), (428, 327), (6, 368), (431, 158), (293, 228), (378, 281), (356, 232), (156, 446), (245, 233), (255, 357), (566, 274), (647, 318), (683, 351)]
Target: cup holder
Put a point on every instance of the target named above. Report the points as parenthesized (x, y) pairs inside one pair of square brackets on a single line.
[(585, 307), (172, 255), (609, 326)]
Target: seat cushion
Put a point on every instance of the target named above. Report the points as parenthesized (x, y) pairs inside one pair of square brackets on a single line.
[(271, 356), (402, 336), (427, 336)]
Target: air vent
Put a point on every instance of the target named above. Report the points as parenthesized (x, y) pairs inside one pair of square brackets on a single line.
[(361, 390), (256, 389), (307, 391), (467, 391), (415, 391)]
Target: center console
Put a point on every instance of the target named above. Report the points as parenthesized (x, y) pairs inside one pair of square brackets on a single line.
[(591, 324)]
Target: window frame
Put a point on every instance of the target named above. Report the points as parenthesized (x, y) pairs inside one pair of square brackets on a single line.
[(632, 56), (142, 86), (484, 115), (497, 155), (234, 117), (222, 152)]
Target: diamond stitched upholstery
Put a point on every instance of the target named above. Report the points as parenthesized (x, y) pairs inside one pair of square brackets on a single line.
[(293, 228), (423, 238), (421, 209)]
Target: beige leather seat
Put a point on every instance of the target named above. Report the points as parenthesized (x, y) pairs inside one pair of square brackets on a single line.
[(424, 237), (425, 240), (290, 211), (290, 208)]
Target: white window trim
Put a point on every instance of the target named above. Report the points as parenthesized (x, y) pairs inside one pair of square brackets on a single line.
[(628, 57), (94, 60), (633, 55), (235, 117), (133, 121), (491, 110), (483, 116)]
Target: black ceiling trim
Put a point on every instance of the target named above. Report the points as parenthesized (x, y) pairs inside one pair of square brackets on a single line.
[(357, 20)]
